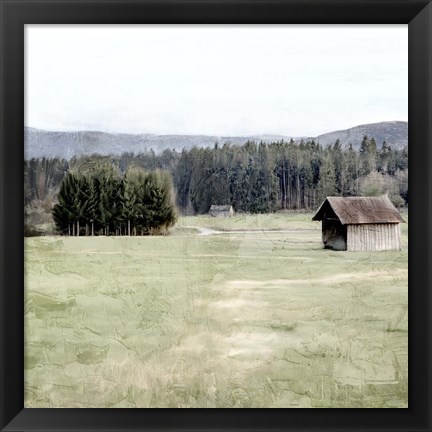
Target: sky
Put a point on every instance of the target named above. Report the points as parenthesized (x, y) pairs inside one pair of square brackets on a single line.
[(293, 80)]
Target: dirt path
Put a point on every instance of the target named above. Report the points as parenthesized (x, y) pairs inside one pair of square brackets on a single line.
[(203, 230), (208, 231)]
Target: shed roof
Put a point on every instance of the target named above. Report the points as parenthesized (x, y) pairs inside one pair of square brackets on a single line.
[(361, 210), (220, 207)]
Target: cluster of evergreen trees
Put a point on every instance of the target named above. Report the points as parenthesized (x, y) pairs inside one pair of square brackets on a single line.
[(98, 201), (254, 177)]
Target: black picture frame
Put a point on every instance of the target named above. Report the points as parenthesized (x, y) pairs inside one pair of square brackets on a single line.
[(16, 13)]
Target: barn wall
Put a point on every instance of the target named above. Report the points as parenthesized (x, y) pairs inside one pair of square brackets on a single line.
[(333, 235), (373, 237), (221, 214), (215, 212)]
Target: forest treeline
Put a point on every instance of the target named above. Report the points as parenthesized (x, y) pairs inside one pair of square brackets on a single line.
[(254, 177), (98, 201)]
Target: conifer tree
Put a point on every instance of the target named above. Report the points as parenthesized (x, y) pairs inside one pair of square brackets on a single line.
[(140, 203)]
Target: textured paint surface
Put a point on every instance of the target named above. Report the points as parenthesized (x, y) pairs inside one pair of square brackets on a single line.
[(227, 319)]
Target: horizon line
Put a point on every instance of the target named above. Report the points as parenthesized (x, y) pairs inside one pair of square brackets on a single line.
[(245, 135)]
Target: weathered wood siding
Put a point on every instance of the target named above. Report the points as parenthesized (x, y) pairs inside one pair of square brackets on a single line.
[(223, 213), (373, 237)]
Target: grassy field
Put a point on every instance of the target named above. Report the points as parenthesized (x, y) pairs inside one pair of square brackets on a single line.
[(254, 315)]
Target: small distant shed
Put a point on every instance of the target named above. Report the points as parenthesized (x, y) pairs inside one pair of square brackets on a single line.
[(360, 223), (221, 211)]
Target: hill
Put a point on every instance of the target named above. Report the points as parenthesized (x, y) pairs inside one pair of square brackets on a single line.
[(40, 143), (394, 133)]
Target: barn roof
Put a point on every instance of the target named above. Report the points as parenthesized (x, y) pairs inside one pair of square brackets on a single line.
[(361, 210), (220, 207)]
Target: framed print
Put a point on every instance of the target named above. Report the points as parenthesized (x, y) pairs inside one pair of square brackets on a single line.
[(215, 215)]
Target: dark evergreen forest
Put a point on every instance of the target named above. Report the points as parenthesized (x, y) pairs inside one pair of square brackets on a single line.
[(100, 202), (254, 177)]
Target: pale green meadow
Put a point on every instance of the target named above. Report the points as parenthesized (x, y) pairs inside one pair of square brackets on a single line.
[(248, 311)]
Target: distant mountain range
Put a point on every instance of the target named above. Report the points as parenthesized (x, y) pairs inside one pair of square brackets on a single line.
[(40, 143)]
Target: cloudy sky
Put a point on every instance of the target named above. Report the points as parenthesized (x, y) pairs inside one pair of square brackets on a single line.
[(220, 80)]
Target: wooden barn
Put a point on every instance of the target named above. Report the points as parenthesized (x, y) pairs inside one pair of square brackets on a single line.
[(360, 224), (221, 211)]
